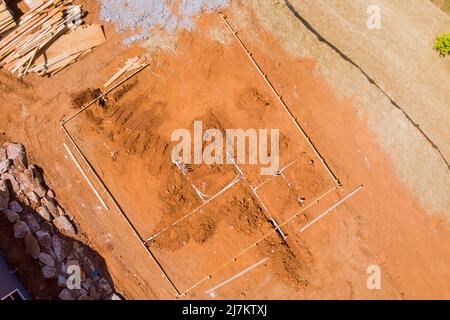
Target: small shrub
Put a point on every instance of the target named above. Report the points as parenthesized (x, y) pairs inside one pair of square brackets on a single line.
[(443, 44)]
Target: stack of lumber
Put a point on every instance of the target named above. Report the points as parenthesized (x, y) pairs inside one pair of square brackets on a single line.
[(31, 3), (48, 38), (6, 18)]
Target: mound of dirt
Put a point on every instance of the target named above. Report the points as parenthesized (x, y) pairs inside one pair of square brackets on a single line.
[(292, 269), (82, 98)]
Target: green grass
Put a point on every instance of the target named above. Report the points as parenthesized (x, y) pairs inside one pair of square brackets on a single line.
[(443, 44)]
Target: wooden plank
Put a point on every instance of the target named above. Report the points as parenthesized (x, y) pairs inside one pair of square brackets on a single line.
[(33, 3), (124, 69), (86, 37), (54, 70), (7, 21)]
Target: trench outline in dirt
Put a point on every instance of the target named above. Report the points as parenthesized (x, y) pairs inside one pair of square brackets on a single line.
[(240, 177), (129, 222)]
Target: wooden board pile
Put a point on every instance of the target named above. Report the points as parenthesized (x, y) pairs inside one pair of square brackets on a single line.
[(48, 38), (6, 18)]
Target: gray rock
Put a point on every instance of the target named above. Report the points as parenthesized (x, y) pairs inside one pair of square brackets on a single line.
[(61, 211), (23, 177), (66, 294), (40, 190), (31, 180), (3, 155), (12, 181), (51, 205), (52, 253), (32, 246), (11, 215), (78, 248), (15, 206), (62, 281), (49, 272), (51, 193), (45, 240), (104, 286), (21, 229), (5, 165), (77, 293), (33, 223), (46, 259), (17, 153), (87, 283), (44, 213), (4, 195), (64, 225), (88, 265), (33, 197), (58, 248), (48, 227), (93, 293)]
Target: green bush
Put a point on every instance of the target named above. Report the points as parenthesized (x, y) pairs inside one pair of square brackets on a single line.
[(443, 44)]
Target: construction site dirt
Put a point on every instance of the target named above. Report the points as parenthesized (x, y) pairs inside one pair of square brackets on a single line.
[(131, 136), (226, 231)]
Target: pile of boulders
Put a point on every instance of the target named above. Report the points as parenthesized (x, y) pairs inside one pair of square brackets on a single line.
[(48, 231)]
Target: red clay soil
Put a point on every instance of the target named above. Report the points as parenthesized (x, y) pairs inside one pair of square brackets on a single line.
[(128, 143), (384, 225), (129, 139)]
